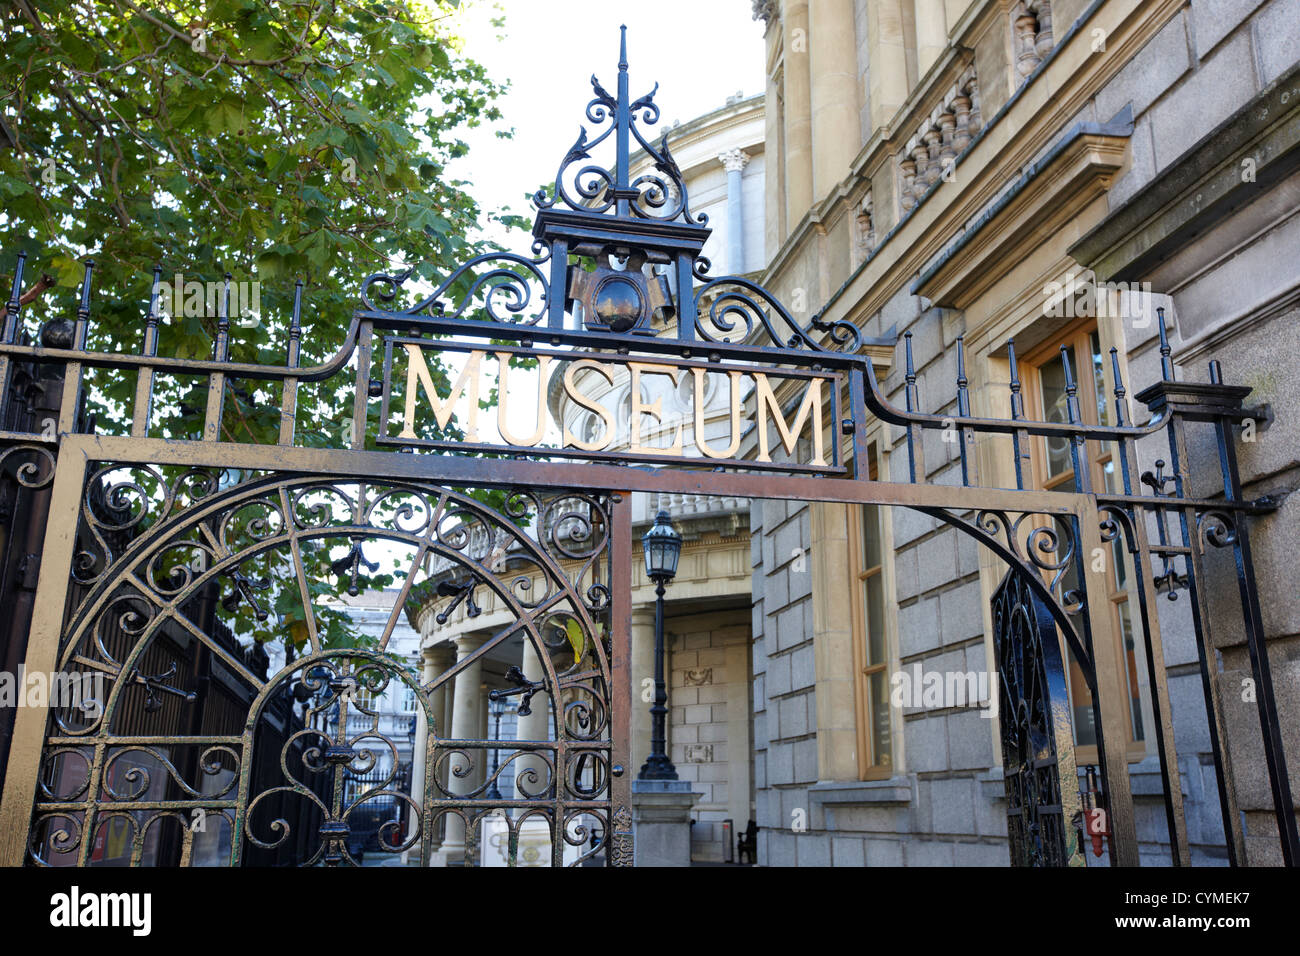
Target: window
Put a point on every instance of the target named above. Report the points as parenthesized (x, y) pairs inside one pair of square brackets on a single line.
[(871, 646), (1053, 467)]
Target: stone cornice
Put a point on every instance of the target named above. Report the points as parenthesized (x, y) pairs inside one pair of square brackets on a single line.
[(1202, 188), (1047, 194), (711, 124)]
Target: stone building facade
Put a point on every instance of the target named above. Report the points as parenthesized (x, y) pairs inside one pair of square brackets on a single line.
[(952, 169)]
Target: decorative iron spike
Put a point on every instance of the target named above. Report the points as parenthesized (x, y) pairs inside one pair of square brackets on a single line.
[(83, 306), (1120, 392), (295, 320), (963, 408), (223, 313), (14, 310), (1017, 400), (1071, 388), (910, 372), (295, 327), (151, 320), (963, 395), (1166, 363)]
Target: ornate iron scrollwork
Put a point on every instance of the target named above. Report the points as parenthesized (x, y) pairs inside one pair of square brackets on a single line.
[(315, 773), (1037, 736)]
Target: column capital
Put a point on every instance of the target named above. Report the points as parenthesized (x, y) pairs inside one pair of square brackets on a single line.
[(734, 160), (442, 654), (767, 11), (468, 643), (643, 615)]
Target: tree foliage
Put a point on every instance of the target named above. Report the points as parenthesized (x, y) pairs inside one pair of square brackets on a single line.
[(271, 141)]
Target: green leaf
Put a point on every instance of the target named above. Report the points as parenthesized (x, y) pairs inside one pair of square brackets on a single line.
[(68, 271), (226, 116), (577, 640)]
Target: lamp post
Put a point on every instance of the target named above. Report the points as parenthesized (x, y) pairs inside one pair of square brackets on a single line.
[(662, 546), (498, 710)]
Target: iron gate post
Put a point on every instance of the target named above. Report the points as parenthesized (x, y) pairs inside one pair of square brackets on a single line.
[(1222, 407), (1132, 524), (620, 840)]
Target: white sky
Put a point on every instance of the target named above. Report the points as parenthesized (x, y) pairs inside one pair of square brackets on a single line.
[(699, 51)]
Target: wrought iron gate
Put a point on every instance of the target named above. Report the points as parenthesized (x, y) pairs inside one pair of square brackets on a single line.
[(1037, 738), (167, 553), (156, 566)]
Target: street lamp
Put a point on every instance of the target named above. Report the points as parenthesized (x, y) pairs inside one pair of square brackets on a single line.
[(498, 710), (662, 546)]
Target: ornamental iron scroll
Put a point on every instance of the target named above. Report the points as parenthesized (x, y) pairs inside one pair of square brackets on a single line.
[(185, 726), (1037, 736), (612, 255), (595, 188)]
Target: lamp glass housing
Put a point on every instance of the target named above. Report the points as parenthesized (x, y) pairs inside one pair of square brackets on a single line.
[(662, 546)]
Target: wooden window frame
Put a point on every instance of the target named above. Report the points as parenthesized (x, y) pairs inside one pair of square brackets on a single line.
[(869, 768), (1078, 336)]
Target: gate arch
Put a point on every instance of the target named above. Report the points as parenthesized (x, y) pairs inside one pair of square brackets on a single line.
[(136, 595)]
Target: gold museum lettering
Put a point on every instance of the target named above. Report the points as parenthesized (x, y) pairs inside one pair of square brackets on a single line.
[(780, 405)]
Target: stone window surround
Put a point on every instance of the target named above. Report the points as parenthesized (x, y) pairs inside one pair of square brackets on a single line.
[(1031, 363), (839, 726)]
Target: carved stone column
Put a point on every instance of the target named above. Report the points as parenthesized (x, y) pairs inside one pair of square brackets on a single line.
[(961, 134), (1026, 55), (931, 33), (798, 114), (734, 162), (907, 183), (836, 125), (643, 669), (464, 726), (434, 660)]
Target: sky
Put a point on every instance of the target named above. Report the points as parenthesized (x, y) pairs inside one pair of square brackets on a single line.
[(699, 51)]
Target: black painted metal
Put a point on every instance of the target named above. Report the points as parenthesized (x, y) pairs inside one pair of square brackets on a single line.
[(1037, 737)]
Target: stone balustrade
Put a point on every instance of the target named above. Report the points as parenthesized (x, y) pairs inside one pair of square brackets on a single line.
[(1031, 23), (938, 142)]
